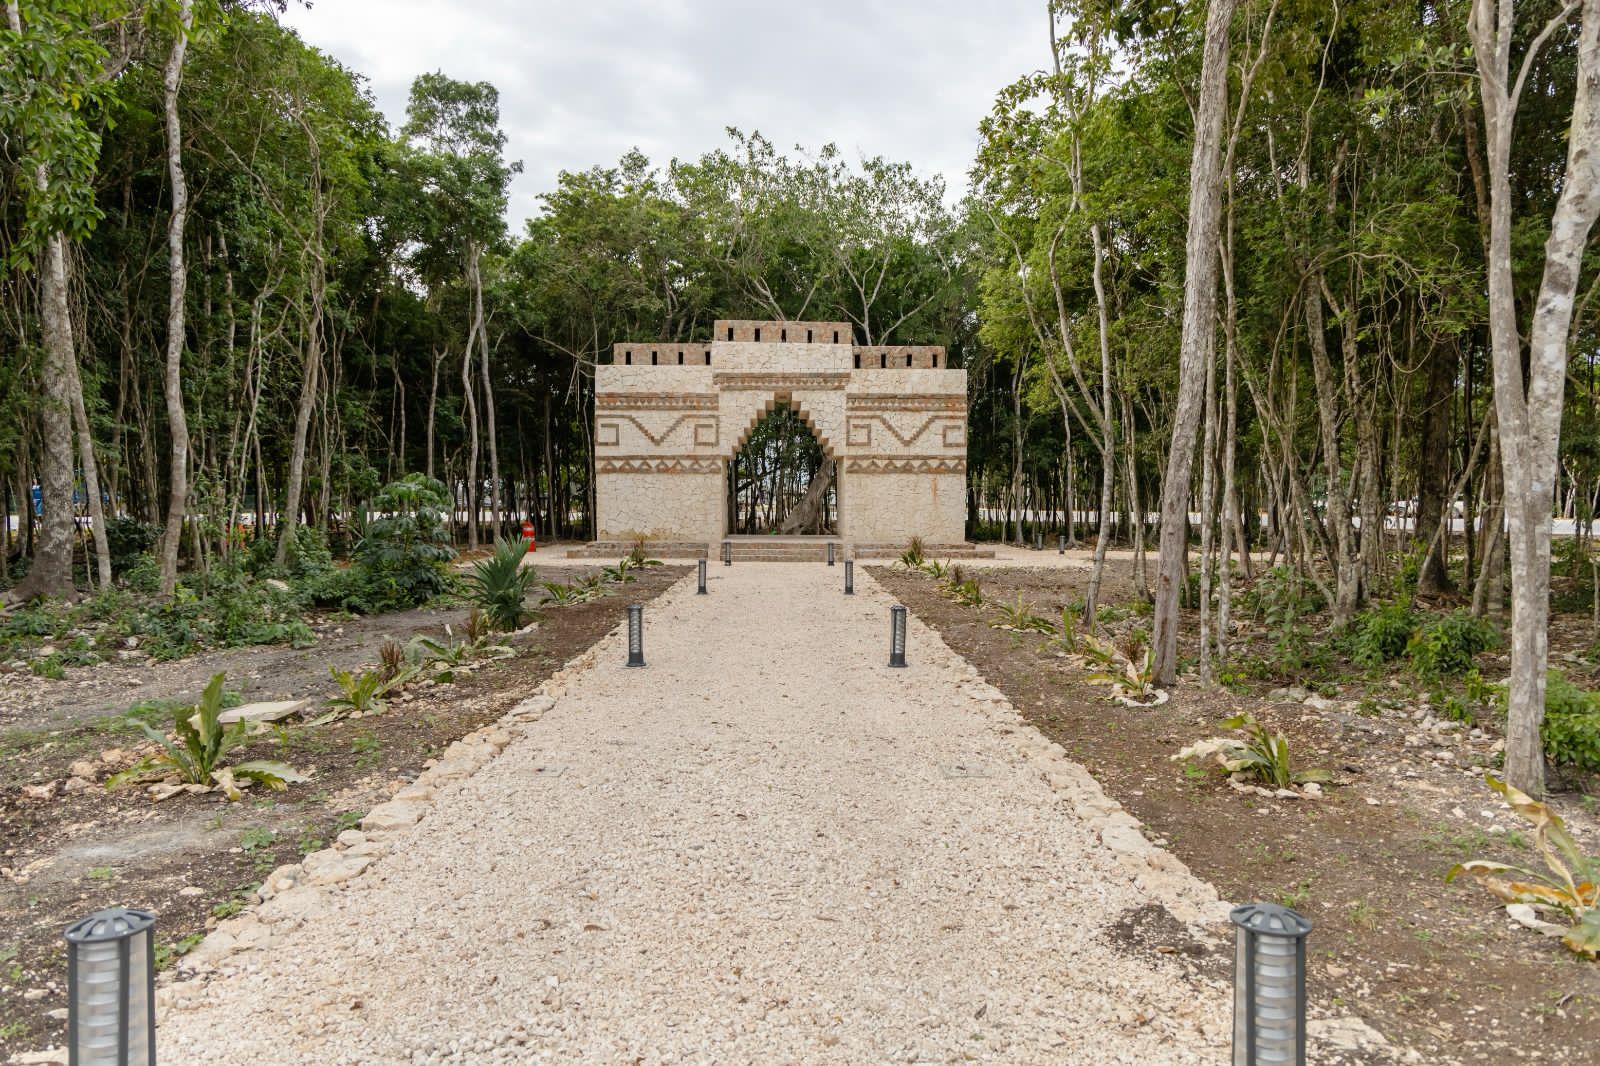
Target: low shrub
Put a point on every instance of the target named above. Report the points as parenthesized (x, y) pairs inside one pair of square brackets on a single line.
[(1381, 634), (1571, 730), (1446, 646), (400, 562), (127, 539)]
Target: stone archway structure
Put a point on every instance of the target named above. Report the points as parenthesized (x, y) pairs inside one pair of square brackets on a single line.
[(669, 417)]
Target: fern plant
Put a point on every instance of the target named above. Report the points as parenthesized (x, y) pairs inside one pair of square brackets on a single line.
[(499, 585), (198, 755)]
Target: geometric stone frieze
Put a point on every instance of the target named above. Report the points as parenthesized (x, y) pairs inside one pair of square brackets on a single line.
[(767, 381), (606, 402)]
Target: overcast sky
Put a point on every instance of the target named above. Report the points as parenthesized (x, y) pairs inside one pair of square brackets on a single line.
[(582, 81)]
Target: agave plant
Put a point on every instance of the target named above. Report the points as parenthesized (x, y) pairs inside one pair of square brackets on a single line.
[(1569, 885), (197, 756), (499, 584)]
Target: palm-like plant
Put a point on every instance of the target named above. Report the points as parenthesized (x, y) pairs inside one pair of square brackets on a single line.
[(499, 585)]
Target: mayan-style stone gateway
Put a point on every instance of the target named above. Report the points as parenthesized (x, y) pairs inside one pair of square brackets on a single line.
[(670, 417)]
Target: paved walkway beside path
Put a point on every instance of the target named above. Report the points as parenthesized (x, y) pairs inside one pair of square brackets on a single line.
[(765, 847)]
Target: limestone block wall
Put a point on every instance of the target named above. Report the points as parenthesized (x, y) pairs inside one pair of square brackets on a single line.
[(894, 419)]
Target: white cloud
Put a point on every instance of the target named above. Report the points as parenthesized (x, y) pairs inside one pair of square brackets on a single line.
[(582, 82)]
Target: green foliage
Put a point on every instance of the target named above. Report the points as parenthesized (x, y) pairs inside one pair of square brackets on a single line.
[(400, 561), (128, 539), (1571, 730), (1568, 886), (1264, 755), (363, 692), (1282, 598), (53, 96), (1019, 616), (499, 585), (1447, 645), (912, 558), (1381, 634), (224, 608), (198, 755)]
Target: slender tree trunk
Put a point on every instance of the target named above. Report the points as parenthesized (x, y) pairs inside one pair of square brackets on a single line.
[(177, 295), (312, 368), (51, 570), (488, 391), (1199, 309), (1529, 407), (91, 478)]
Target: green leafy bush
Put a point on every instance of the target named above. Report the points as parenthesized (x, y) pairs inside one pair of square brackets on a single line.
[(1381, 634), (1446, 646), (400, 562), (1281, 598), (224, 608), (127, 539), (1571, 730), (499, 585)]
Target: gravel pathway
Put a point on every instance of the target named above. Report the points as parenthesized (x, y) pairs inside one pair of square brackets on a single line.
[(765, 847)]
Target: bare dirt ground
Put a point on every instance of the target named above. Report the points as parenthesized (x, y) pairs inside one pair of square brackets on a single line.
[(1435, 966), (193, 858)]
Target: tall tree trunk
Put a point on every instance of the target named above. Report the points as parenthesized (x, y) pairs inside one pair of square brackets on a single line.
[(177, 294), (51, 571), (1529, 407), (488, 391), (1433, 467), (311, 371), (91, 478), (1199, 309)]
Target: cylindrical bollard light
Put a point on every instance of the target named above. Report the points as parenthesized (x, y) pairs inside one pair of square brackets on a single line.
[(897, 635), (1038, 540), (701, 591), (849, 577), (1269, 985), (1061, 544), (635, 635), (111, 979), (727, 554), (830, 553)]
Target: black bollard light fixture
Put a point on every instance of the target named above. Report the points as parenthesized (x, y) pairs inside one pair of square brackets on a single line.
[(635, 635), (849, 577), (830, 553), (1061, 544), (111, 989), (897, 635), (701, 591), (727, 554), (1269, 985)]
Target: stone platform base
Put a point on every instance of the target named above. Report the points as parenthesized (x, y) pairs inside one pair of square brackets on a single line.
[(774, 550)]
